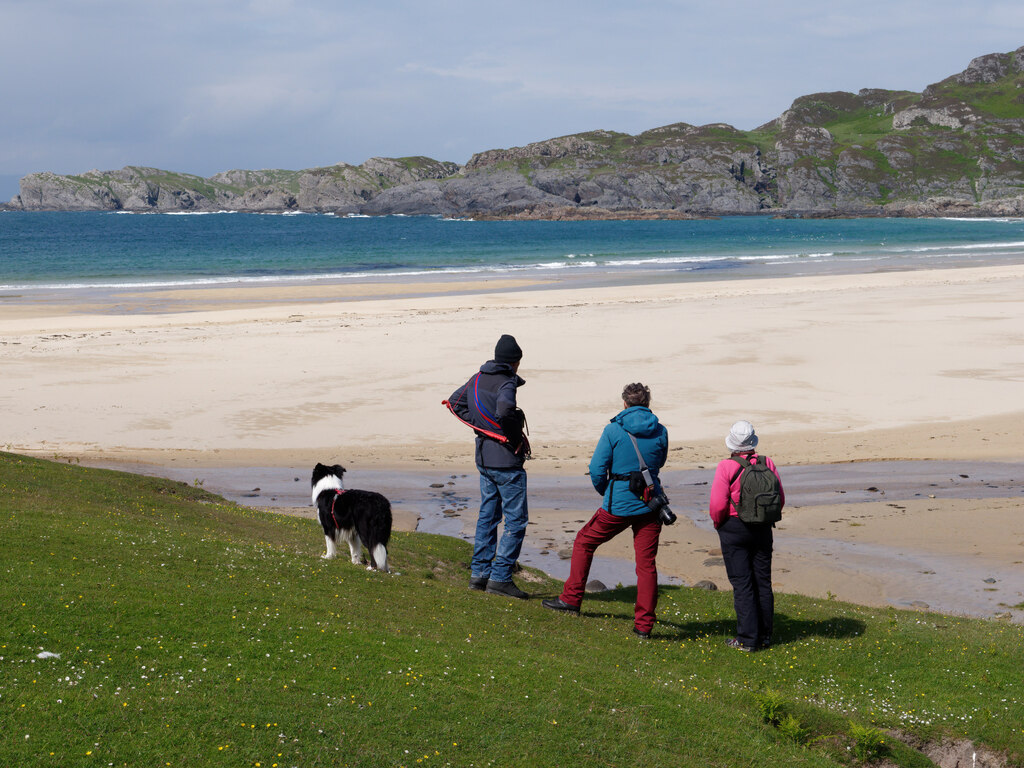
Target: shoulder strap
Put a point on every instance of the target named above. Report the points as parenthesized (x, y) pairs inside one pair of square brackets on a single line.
[(743, 461), (643, 464), (744, 465)]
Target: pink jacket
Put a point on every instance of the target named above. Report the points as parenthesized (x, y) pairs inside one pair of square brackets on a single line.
[(725, 488)]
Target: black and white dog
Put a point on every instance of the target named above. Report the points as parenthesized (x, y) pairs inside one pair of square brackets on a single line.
[(358, 517)]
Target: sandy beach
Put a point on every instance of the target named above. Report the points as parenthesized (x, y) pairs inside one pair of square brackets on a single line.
[(920, 365)]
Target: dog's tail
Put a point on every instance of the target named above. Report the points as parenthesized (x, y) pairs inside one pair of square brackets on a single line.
[(380, 557)]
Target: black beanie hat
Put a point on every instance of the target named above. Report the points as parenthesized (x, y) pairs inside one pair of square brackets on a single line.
[(507, 351)]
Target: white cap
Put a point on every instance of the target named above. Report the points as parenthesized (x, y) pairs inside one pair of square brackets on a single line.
[(741, 437)]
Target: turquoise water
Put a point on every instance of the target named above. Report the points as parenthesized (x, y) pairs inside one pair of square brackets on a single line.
[(98, 250)]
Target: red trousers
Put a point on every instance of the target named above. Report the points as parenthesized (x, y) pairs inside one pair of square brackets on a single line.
[(602, 527)]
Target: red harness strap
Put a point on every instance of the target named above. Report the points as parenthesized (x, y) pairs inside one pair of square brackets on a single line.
[(495, 435), (337, 493)]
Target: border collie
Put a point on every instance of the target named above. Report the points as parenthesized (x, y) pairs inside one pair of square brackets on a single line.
[(358, 517)]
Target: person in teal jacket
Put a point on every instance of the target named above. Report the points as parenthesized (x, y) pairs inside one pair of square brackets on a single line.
[(613, 460)]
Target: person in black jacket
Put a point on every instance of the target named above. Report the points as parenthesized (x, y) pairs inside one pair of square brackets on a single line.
[(488, 403)]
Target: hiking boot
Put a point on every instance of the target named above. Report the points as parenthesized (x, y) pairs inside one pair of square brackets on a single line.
[(641, 633), (478, 583), (506, 588), (558, 605), (734, 642)]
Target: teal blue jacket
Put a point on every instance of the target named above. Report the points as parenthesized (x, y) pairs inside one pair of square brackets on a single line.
[(615, 455)]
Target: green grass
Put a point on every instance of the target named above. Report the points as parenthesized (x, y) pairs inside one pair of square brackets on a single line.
[(1001, 99), (763, 140), (195, 632), (863, 127)]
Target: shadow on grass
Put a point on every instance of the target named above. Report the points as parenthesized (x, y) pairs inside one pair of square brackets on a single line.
[(787, 629)]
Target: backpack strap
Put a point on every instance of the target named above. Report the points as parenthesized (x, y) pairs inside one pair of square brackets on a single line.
[(745, 464), (743, 461)]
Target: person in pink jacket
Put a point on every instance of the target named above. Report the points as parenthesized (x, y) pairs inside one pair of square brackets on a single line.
[(746, 547)]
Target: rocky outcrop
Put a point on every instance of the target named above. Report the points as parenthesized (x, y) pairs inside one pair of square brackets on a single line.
[(462, 196), (956, 116), (991, 68), (955, 149), (49, 191), (566, 146), (957, 207), (137, 188)]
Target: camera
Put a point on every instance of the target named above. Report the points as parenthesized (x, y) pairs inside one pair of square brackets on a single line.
[(642, 484), (659, 504)]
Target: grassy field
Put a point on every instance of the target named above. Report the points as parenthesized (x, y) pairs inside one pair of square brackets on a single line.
[(189, 631)]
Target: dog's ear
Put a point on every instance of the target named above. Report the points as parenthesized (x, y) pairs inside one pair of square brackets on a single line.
[(339, 470)]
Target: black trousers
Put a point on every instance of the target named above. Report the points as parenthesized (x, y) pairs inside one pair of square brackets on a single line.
[(747, 551)]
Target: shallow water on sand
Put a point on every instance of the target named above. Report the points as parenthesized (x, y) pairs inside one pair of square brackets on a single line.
[(446, 504)]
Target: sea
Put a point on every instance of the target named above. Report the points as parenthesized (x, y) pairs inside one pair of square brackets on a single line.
[(95, 251)]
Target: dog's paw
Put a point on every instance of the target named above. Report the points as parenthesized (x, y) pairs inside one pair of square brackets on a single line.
[(326, 556)]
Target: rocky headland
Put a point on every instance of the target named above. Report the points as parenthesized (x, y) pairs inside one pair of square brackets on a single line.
[(956, 149)]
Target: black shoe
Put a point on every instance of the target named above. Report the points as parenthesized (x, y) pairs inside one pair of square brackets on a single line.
[(733, 642), (558, 605), (644, 635), (478, 583), (506, 588), (764, 644)]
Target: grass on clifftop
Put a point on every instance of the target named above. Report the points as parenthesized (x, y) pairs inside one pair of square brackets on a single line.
[(190, 631)]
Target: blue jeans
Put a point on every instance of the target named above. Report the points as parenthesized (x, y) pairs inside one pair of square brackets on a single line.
[(502, 494)]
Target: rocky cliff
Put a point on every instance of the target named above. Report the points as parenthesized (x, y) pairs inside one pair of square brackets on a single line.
[(955, 149)]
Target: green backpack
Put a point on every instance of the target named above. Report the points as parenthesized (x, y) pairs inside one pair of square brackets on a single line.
[(760, 497)]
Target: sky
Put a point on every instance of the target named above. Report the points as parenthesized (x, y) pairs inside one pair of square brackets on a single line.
[(202, 86)]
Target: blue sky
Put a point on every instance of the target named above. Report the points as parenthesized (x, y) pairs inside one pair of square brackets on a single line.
[(208, 85)]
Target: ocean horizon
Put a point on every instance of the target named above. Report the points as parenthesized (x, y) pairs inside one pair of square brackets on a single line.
[(57, 251)]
